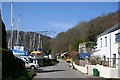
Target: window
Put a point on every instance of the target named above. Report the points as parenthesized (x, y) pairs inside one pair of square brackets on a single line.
[(104, 57), (35, 49), (114, 60), (117, 37), (100, 42), (105, 41)]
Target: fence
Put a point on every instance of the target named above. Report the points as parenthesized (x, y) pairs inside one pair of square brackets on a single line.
[(112, 62), (109, 62)]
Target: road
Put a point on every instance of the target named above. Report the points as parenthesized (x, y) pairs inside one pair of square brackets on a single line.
[(60, 70)]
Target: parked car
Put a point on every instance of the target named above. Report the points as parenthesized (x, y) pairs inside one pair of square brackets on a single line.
[(30, 63), (68, 59)]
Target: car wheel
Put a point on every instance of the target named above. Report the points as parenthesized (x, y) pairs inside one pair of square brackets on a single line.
[(32, 67)]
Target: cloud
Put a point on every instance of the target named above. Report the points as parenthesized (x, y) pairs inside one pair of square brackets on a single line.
[(57, 27), (60, 25)]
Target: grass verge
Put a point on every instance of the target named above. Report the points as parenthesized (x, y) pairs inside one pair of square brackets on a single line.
[(20, 75)]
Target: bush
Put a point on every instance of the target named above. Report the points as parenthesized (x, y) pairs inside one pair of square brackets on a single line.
[(95, 60), (20, 75), (4, 43), (76, 62), (81, 59), (10, 63), (8, 60), (48, 62)]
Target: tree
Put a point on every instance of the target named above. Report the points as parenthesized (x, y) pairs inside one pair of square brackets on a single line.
[(4, 43)]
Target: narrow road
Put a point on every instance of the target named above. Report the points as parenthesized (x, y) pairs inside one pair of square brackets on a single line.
[(61, 70)]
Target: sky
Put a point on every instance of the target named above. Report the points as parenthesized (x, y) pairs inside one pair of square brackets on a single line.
[(54, 17)]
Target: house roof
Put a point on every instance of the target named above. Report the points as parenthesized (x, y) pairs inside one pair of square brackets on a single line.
[(114, 28)]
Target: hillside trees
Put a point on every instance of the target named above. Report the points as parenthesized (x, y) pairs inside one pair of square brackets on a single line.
[(84, 32), (25, 38)]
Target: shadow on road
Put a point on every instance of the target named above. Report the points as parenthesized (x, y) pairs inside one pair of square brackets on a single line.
[(47, 71)]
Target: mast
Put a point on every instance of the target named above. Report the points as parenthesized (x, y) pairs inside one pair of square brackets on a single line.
[(11, 39), (17, 42), (30, 42), (9, 42), (34, 41), (24, 40), (39, 41)]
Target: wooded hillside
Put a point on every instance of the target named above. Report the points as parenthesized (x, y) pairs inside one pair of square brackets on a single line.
[(83, 32), (26, 37)]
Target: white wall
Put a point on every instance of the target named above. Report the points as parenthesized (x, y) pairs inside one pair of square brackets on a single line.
[(105, 72), (114, 46), (81, 68)]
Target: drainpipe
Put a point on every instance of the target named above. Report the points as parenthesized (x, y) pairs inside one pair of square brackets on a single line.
[(118, 54), (110, 50)]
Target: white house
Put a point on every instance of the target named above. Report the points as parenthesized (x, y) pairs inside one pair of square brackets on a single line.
[(82, 48), (108, 46)]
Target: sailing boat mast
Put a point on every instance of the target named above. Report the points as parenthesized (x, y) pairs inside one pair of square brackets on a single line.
[(34, 41), (30, 41), (41, 43), (17, 42), (11, 38), (39, 40)]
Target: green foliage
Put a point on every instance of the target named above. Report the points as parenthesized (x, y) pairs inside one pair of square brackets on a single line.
[(10, 63), (75, 45), (50, 62), (49, 51), (31, 74), (8, 60), (20, 75), (13, 68), (81, 58), (90, 44), (4, 43)]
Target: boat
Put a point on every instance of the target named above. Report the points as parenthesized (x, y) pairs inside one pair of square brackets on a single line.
[(18, 49), (38, 53)]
